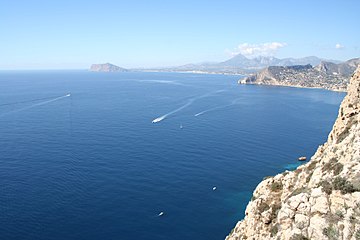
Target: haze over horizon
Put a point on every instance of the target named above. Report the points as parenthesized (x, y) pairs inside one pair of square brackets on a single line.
[(73, 35)]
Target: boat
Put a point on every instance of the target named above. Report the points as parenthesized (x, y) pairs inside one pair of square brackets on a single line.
[(156, 120), (303, 158), (160, 214)]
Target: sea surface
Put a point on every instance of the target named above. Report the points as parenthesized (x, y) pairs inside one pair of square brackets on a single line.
[(92, 165)]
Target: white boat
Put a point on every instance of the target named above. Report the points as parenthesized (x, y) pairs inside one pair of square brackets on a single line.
[(214, 188), (157, 119), (160, 214)]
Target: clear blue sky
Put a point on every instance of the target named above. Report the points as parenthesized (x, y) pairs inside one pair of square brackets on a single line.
[(59, 34)]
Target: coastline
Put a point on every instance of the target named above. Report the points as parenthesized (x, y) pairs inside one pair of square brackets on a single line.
[(319, 199), (294, 86)]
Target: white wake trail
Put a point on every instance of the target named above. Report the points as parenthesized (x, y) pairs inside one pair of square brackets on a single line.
[(234, 102), (190, 101), (35, 105), (212, 109), (172, 112)]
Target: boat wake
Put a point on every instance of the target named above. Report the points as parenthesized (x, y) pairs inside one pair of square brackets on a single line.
[(212, 109), (156, 120), (234, 102), (161, 82), (189, 102), (35, 105)]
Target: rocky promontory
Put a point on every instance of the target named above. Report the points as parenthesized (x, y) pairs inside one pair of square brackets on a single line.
[(106, 67), (320, 199), (326, 75)]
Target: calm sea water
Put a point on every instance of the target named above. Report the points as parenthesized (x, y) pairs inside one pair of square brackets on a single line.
[(93, 165)]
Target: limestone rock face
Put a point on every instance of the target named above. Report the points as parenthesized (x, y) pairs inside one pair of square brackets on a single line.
[(319, 200)]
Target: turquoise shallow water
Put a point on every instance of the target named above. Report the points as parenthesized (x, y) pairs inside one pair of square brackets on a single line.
[(93, 165)]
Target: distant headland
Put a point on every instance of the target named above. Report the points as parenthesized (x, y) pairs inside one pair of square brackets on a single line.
[(325, 75), (106, 67)]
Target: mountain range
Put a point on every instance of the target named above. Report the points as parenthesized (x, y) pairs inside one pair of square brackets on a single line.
[(240, 64)]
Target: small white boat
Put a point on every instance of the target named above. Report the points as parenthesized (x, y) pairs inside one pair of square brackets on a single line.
[(214, 188), (156, 120), (160, 214)]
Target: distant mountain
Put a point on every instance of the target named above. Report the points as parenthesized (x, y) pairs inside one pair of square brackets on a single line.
[(265, 61), (326, 75), (243, 65), (106, 67), (344, 69)]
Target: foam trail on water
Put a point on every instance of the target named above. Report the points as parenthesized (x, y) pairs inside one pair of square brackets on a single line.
[(27, 101), (161, 81), (190, 101), (36, 105), (172, 112), (212, 109), (234, 102)]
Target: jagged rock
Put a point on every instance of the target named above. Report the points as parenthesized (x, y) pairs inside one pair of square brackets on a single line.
[(320, 199)]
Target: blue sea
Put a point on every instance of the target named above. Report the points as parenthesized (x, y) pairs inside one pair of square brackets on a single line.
[(80, 157)]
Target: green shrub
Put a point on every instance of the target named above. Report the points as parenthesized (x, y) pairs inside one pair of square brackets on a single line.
[(330, 232), (276, 186), (357, 234), (298, 237), (337, 168), (274, 230), (343, 185), (326, 187), (328, 166), (263, 207), (339, 214), (274, 210), (308, 177), (311, 165), (333, 165)]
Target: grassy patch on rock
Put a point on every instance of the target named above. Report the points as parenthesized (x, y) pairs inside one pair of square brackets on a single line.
[(331, 232), (276, 186)]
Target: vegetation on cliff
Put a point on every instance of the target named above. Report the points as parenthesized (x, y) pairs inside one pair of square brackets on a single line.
[(319, 200)]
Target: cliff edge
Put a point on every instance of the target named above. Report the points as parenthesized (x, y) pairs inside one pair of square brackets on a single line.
[(319, 200)]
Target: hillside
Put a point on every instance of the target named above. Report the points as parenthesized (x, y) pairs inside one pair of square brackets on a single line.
[(239, 64), (326, 75), (106, 67), (319, 200)]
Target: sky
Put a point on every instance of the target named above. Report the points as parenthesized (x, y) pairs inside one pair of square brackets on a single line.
[(74, 34)]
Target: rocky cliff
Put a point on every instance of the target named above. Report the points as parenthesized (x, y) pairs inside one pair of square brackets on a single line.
[(106, 67), (320, 199), (326, 75)]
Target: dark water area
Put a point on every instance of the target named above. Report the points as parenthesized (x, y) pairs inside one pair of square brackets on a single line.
[(92, 165)]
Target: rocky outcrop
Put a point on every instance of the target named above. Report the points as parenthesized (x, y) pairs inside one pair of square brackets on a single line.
[(320, 199), (106, 67), (326, 75)]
